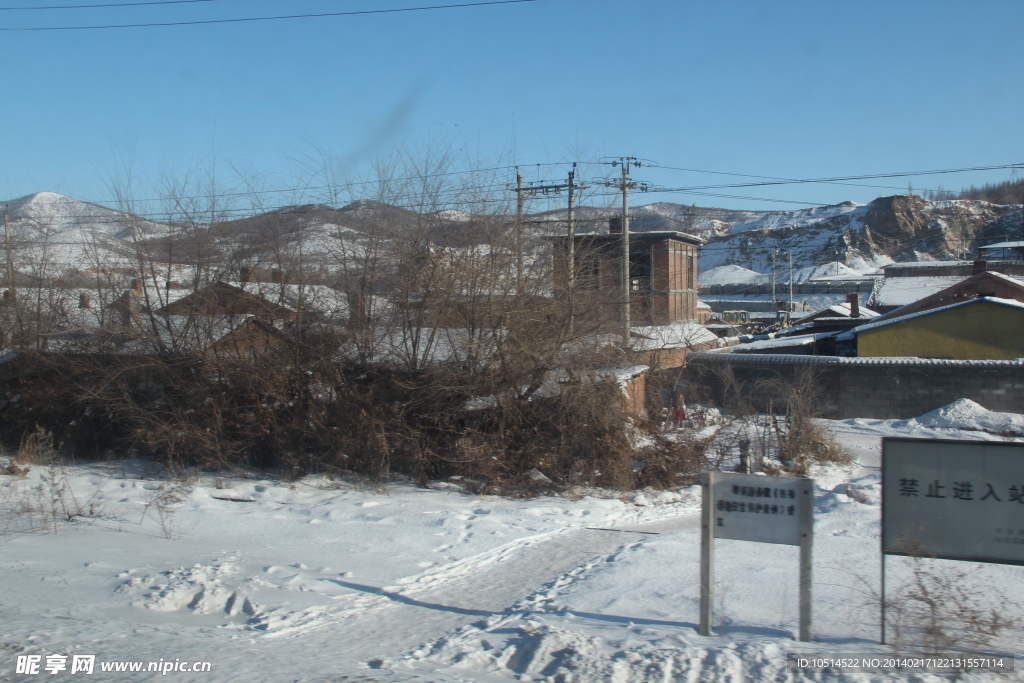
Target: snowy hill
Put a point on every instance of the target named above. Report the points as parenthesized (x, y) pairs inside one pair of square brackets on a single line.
[(862, 237), (53, 231), (843, 239)]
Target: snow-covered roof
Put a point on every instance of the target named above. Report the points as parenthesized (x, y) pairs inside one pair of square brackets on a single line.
[(678, 335), (1012, 303), (925, 264), (1006, 278), (1004, 245), (848, 360), (838, 311), (782, 342), (623, 375), (320, 298), (901, 291), (985, 274)]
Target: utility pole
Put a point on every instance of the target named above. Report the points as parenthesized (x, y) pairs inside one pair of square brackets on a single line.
[(571, 229), (519, 232), (791, 282), (625, 185), (10, 266), (521, 192), (627, 285), (773, 283)]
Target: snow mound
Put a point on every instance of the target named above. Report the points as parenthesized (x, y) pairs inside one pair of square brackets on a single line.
[(967, 415), (293, 599), (200, 589), (730, 274), (824, 270), (549, 653)]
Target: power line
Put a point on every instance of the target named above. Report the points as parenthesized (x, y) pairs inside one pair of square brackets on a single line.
[(275, 18), (788, 181), (696, 190), (459, 195), (734, 196), (123, 4), (338, 186)]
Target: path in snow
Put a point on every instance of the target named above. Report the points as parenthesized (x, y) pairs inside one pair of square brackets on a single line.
[(396, 619), (118, 595)]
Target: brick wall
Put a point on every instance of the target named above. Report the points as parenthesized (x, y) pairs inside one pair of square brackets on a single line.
[(878, 388)]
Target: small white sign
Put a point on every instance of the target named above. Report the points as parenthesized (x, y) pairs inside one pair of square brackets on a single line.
[(953, 499), (749, 507)]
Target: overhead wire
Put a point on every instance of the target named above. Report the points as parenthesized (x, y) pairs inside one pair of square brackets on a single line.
[(460, 196), (426, 176), (110, 4), (839, 179), (237, 20)]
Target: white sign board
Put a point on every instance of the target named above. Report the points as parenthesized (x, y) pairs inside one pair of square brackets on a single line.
[(961, 500), (748, 507)]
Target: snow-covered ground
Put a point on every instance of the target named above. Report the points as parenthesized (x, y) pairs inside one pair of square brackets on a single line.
[(330, 580)]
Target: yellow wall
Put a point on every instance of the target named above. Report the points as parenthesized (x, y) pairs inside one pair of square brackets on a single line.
[(977, 331)]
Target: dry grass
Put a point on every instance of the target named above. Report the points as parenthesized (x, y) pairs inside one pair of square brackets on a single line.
[(36, 447), (946, 608), (47, 504)]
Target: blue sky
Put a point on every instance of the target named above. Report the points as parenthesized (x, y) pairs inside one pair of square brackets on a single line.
[(771, 88)]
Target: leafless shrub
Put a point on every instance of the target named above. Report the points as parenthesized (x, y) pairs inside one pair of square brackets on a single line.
[(669, 464), (771, 423), (802, 441), (48, 503), (162, 503), (946, 609)]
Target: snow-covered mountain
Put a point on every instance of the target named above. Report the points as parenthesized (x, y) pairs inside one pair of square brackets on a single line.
[(860, 236), (823, 240), (53, 231)]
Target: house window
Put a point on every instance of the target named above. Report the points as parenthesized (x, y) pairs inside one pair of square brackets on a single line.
[(689, 273), (640, 269)]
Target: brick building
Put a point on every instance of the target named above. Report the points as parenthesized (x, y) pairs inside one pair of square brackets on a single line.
[(662, 269)]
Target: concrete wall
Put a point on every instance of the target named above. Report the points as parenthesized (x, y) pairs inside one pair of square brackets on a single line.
[(878, 388)]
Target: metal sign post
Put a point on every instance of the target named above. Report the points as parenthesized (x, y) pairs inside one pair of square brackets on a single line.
[(748, 507), (707, 552)]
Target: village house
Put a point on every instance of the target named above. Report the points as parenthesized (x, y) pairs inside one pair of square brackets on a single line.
[(664, 311), (983, 328), (982, 283), (907, 283)]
